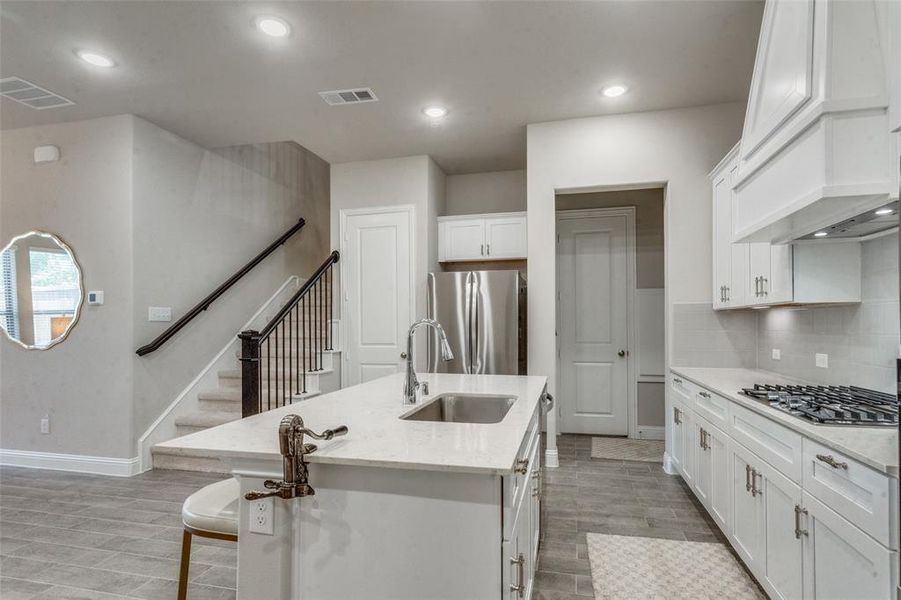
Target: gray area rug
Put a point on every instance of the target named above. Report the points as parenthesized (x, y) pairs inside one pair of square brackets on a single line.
[(627, 568), (616, 448)]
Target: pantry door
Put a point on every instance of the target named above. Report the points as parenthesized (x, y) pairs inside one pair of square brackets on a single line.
[(593, 317)]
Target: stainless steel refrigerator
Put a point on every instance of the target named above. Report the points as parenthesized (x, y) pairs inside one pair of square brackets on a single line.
[(484, 316)]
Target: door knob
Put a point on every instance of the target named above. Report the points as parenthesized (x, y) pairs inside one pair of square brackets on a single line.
[(403, 355), (621, 353)]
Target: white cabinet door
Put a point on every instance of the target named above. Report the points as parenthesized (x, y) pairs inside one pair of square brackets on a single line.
[(758, 272), (716, 447), (463, 239), (841, 561), (748, 525), (722, 238), (517, 559), (689, 446), (770, 273), (677, 425), (782, 567), (894, 28), (505, 237)]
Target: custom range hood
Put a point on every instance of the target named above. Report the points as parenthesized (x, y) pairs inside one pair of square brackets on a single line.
[(816, 151)]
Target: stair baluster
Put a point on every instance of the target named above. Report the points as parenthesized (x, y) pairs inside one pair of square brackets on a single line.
[(308, 314)]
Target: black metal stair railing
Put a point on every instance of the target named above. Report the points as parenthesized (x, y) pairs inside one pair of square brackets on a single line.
[(275, 360)]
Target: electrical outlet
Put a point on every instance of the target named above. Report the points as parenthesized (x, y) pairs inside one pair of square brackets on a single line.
[(822, 361), (159, 313), (45, 424), (261, 517), (777, 354)]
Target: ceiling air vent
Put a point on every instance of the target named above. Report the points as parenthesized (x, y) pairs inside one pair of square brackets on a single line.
[(337, 97), (29, 94)]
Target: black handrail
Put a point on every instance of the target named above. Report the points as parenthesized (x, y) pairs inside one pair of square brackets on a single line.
[(294, 340), (205, 303)]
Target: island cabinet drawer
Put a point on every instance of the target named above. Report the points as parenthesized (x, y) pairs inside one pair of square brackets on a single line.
[(684, 389), (518, 482), (777, 445), (712, 407), (529, 485), (860, 494)]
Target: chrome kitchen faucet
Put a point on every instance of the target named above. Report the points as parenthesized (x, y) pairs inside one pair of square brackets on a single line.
[(411, 383)]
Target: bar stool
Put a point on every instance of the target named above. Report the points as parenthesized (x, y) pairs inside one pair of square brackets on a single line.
[(210, 512)]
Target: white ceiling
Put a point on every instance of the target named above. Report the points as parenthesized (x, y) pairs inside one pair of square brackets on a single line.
[(200, 69)]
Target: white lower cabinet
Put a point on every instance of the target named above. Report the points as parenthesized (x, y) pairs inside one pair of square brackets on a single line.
[(795, 544), (841, 561), (712, 483)]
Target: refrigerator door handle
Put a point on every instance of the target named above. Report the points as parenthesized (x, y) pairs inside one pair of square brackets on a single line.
[(475, 339)]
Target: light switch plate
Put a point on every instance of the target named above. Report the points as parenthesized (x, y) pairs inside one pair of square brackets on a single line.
[(159, 313), (95, 298), (822, 361), (777, 354)]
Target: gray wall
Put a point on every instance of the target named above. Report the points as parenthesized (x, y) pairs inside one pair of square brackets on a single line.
[(154, 220), (860, 339), (85, 383), (703, 337), (200, 215), (494, 191)]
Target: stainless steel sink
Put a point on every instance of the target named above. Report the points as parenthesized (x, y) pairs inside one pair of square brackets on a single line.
[(463, 408)]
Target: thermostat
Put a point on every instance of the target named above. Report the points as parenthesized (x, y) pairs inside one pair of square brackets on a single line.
[(95, 298)]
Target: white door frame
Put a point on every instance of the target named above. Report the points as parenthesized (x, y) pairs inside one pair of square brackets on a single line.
[(343, 214), (631, 284)]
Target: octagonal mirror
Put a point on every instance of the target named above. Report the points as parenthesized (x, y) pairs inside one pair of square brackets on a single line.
[(40, 290)]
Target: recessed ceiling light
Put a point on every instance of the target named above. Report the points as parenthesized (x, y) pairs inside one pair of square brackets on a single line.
[(96, 59), (884, 211), (434, 112), (820, 234), (273, 26), (612, 91)]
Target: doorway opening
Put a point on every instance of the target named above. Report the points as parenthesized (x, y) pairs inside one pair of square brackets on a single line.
[(610, 312)]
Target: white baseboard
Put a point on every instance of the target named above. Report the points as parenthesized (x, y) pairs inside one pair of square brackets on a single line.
[(647, 432), (98, 465), (668, 466)]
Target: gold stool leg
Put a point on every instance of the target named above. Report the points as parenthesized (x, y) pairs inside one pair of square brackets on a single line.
[(185, 565)]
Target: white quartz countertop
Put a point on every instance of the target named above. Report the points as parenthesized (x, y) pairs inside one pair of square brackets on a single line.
[(377, 435), (873, 446)]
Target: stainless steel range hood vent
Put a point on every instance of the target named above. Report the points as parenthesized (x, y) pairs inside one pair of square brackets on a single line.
[(865, 224)]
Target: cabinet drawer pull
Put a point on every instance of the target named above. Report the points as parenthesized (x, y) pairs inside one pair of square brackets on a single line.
[(488, 249), (747, 478), (754, 491), (728, 294), (798, 531), (704, 395), (520, 587), (677, 380), (482, 249), (829, 460), (522, 466), (677, 416)]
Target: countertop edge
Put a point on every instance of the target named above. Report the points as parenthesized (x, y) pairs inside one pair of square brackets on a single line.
[(769, 413)]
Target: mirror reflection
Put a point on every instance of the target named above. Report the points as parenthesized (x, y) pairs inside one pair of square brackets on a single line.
[(41, 290)]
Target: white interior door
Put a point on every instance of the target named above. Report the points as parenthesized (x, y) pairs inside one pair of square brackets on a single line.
[(377, 273), (593, 315)]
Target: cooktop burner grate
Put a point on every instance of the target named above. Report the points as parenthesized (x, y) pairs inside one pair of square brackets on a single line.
[(830, 404)]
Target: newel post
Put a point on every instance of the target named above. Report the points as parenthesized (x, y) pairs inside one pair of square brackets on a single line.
[(250, 373)]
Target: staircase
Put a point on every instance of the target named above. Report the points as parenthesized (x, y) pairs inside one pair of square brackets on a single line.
[(292, 356), (222, 404)]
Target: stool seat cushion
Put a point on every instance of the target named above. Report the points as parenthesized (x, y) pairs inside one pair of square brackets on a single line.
[(213, 508)]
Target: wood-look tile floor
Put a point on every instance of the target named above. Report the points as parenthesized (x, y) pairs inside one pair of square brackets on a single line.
[(586, 495), (70, 536)]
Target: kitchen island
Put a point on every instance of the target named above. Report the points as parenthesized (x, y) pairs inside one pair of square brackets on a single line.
[(402, 508)]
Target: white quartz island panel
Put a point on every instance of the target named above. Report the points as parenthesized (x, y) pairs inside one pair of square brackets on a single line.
[(378, 436), (402, 509)]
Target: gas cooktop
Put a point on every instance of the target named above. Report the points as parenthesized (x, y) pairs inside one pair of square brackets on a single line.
[(829, 404)]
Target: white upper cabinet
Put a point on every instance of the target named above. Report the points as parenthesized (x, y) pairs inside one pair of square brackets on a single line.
[(816, 147), (893, 16), (763, 274), (500, 236)]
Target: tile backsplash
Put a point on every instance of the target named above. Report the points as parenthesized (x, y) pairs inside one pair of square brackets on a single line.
[(861, 340), (703, 337)]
